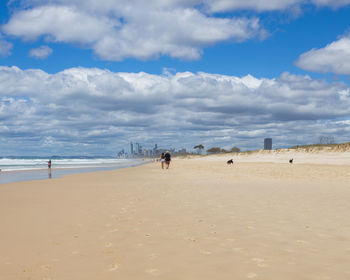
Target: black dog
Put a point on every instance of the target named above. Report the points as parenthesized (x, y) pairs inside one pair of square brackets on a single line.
[(291, 160), (230, 161)]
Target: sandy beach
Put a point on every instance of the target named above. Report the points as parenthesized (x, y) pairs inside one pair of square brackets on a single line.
[(201, 219)]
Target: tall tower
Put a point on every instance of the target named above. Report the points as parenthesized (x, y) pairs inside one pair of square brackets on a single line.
[(131, 148), (268, 144)]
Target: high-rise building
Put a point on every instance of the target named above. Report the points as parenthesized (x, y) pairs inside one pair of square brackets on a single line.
[(131, 148), (137, 148), (268, 144)]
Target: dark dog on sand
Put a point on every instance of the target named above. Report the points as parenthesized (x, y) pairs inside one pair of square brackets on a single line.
[(230, 161), (291, 160)]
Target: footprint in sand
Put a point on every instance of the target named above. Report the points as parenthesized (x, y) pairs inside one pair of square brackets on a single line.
[(114, 267), (289, 250), (322, 235), (139, 245), (153, 256), (259, 262), (108, 244), (231, 239), (114, 230), (252, 275), (78, 253), (46, 266), (115, 217), (153, 271), (206, 252)]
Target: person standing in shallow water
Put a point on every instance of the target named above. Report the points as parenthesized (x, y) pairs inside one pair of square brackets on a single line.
[(162, 160), (49, 164), (167, 157)]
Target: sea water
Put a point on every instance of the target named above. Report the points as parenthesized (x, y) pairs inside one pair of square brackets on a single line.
[(24, 169)]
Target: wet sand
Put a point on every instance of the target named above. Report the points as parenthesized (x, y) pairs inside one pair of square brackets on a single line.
[(201, 219)]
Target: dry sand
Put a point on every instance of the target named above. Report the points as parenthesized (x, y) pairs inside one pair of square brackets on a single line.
[(201, 219)]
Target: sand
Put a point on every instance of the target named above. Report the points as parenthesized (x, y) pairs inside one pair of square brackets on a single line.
[(201, 219)]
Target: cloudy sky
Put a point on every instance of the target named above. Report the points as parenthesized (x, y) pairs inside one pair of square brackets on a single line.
[(86, 77)]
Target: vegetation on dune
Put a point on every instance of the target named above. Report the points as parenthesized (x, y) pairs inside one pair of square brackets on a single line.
[(199, 148), (327, 145), (340, 146), (218, 150)]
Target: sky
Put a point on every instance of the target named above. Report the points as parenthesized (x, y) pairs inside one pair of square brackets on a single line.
[(86, 77)]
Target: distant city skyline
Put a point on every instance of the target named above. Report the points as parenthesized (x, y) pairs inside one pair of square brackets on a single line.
[(87, 77)]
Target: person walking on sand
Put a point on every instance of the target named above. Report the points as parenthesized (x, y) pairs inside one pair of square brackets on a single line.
[(162, 160), (167, 157)]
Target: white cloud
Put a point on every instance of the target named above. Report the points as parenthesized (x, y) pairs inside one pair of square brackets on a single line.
[(116, 30), (268, 5), (58, 23), (262, 5), (40, 53), (5, 47), (136, 29), (104, 109), (334, 58), (331, 3)]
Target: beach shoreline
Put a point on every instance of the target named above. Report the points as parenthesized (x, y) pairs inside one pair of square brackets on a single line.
[(201, 219), (11, 176)]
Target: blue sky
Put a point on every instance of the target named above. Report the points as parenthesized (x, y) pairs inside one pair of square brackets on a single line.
[(84, 78)]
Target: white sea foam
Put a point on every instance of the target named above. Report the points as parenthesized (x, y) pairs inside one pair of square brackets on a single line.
[(20, 164)]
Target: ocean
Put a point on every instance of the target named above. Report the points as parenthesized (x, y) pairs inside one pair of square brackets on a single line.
[(25, 169)]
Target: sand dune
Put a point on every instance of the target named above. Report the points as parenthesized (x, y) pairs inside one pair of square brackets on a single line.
[(316, 155)]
